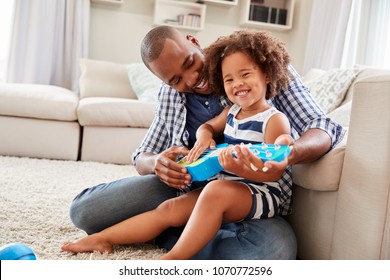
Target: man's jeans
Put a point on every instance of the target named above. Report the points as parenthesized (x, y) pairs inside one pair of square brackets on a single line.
[(104, 205)]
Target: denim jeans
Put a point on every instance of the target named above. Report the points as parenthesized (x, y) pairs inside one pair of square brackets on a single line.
[(104, 205)]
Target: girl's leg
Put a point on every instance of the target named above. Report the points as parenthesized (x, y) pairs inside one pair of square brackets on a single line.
[(144, 227), (105, 205), (220, 201)]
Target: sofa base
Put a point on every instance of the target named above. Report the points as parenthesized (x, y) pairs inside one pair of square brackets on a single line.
[(313, 222), (37, 138), (110, 144)]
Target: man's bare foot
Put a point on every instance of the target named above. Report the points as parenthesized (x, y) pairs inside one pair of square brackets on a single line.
[(88, 244)]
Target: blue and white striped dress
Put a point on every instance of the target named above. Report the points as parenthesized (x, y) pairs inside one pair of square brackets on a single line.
[(266, 196)]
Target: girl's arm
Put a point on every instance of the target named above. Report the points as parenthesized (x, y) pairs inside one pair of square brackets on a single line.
[(206, 134), (277, 125)]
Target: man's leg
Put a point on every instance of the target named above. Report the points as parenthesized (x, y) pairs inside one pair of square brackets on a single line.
[(271, 239), (104, 205)]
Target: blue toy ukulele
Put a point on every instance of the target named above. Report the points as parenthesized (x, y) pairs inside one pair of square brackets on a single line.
[(207, 165)]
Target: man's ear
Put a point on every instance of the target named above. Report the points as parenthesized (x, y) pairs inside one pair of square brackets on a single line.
[(193, 40)]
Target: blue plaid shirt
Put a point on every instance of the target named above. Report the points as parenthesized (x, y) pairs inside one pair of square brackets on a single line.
[(169, 125)]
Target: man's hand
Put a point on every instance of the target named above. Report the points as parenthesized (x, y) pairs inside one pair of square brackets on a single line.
[(170, 172)]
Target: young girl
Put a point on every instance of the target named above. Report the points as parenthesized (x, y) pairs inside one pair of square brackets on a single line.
[(250, 67)]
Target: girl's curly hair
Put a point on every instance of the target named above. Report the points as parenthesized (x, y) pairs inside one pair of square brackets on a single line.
[(268, 53)]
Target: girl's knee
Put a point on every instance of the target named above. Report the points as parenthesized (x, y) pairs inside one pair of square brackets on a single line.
[(226, 191), (169, 207), (214, 185), (213, 190), (172, 212)]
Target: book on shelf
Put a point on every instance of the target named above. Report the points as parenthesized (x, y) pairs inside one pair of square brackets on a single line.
[(266, 14), (192, 20)]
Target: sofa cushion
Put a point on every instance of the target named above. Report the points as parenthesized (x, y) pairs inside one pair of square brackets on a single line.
[(144, 83), (38, 101), (329, 89), (325, 173), (109, 111), (104, 79)]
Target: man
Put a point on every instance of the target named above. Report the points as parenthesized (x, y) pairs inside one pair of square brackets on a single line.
[(185, 102)]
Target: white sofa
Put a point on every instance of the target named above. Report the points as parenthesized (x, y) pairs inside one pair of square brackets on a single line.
[(38, 121), (105, 123), (113, 118)]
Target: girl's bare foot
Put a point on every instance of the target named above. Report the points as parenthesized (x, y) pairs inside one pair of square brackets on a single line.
[(170, 256), (164, 257), (88, 244)]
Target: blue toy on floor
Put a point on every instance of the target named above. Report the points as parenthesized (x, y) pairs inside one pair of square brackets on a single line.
[(16, 251)]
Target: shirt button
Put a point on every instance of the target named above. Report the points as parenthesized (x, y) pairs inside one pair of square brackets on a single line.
[(206, 103)]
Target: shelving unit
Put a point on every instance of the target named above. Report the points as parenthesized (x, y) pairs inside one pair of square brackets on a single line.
[(267, 14), (180, 14), (226, 3), (109, 2)]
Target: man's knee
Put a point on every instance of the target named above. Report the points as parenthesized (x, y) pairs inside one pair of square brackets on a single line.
[(78, 216)]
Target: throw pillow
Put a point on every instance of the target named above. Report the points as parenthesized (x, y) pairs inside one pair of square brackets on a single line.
[(104, 79), (330, 88), (342, 114), (144, 83)]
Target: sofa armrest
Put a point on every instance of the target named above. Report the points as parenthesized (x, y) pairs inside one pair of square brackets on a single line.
[(323, 174), (362, 214)]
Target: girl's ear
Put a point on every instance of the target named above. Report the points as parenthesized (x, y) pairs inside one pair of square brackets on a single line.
[(267, 80)]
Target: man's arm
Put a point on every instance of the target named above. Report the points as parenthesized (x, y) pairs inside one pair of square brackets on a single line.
[(145, 163), (157, 152), (312, 145)]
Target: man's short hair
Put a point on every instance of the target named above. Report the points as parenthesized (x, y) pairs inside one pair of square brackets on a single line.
[(154, 41)]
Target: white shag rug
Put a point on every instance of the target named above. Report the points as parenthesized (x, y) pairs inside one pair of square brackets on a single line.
[(35, 195)]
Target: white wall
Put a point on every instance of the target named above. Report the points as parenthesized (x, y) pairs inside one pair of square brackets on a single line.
[(116, 32)]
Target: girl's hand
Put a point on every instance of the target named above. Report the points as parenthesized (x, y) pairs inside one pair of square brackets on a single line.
[(256, 164), (274, 166), (199, 147), (229, 162)]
